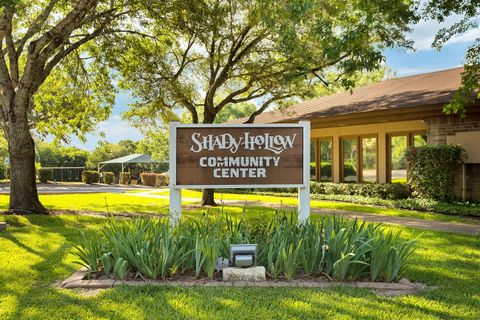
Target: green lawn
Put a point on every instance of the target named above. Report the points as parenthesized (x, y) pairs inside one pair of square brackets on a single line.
[(35, 254), (292, 201), (130, 202)]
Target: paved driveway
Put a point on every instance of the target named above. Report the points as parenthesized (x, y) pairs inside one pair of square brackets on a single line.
[(59, 188)]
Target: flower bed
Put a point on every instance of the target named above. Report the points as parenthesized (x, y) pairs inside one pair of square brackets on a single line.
[(331, 248)]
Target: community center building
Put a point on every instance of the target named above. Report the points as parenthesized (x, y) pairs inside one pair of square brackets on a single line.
[(362, 136)]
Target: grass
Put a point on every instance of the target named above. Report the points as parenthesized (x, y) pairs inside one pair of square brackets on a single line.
[(320, 204), (131, 202), (35, 253)]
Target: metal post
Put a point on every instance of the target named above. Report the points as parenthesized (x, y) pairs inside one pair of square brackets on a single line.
[(304, 192), (175, 193)]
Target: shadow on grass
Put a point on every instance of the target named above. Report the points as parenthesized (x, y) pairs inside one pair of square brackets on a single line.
[(45, 241)]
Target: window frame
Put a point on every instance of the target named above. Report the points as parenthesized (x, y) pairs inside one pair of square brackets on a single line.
[(410, 143), (318, 157), (360, 156)]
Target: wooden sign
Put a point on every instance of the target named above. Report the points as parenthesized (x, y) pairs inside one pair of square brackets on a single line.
[(225, 156), (240, 156)]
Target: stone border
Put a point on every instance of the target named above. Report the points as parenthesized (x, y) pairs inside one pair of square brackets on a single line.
[(404, 286)]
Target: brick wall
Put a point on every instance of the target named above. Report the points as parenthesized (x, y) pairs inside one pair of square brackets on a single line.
[(438, 128)]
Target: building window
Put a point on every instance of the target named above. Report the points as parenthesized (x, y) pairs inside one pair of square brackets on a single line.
[(369, 159), (325, 160), (398, 162), (313, 159), (349, 159)]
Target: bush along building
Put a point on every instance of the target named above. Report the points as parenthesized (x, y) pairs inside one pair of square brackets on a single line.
[(363, 136)]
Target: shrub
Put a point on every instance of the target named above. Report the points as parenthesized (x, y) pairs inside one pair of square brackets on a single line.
[(161, 180), (45, 174), (90, 177), (124, 178), (340, 248), (148, 178), (108, 177), (376, 190), (433, 170)]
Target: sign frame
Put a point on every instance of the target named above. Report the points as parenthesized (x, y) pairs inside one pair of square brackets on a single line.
[(303, 188)]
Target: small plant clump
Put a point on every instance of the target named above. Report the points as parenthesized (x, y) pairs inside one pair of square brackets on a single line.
[(90, 177), (108, 177), (333, 247), (45, 174)]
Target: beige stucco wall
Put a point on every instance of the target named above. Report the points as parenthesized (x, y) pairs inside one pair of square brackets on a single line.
[(381, 130)]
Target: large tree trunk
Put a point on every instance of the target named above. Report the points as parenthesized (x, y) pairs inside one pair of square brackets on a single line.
[(23, 188), (208, 195)]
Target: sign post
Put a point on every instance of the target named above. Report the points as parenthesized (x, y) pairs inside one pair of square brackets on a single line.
[(240, 156)]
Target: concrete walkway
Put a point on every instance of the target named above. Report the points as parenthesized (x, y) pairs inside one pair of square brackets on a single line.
[(456, 227), (68, 188)]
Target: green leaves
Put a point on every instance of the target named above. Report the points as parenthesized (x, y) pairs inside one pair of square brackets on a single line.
[(433, 170), (467, 13), (151, 249), (206, 56)]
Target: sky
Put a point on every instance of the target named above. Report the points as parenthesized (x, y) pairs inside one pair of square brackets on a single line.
[(402, 62)]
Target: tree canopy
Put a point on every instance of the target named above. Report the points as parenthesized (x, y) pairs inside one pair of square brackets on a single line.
[(204, 56), (469, 13)]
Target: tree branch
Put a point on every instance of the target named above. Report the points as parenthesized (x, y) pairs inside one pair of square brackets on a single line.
[(265, 105)]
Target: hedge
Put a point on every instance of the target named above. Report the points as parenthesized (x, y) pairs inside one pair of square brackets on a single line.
[(124, 178), (154, 179), (433, 170), (108, 177), (376, 190), (90, 177), (161, 180), (455, 208), (45, 174), (148, 178)]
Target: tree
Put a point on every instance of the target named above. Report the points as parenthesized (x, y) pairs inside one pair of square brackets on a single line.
[(108, 151), (36, 37), (155, 144), (469, 11), (53, 155), (203, 56)]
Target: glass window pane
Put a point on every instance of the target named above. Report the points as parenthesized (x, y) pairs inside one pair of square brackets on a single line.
[(398, 162), (313, 147), (349, 160), (325, 160), (419, 140), (369, 159)]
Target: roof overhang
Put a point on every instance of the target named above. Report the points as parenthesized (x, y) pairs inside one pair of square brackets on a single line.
[(377, 116)]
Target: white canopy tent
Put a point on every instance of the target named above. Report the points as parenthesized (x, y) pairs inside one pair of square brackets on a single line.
[(132, 158)]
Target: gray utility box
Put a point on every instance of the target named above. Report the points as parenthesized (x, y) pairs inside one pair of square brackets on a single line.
[(3, 226), (243, 255)]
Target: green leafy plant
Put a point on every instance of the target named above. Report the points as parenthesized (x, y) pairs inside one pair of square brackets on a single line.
[(90, 177), (121, 268), (152, 249), (45, 174), (108, 177), (433, 170)]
